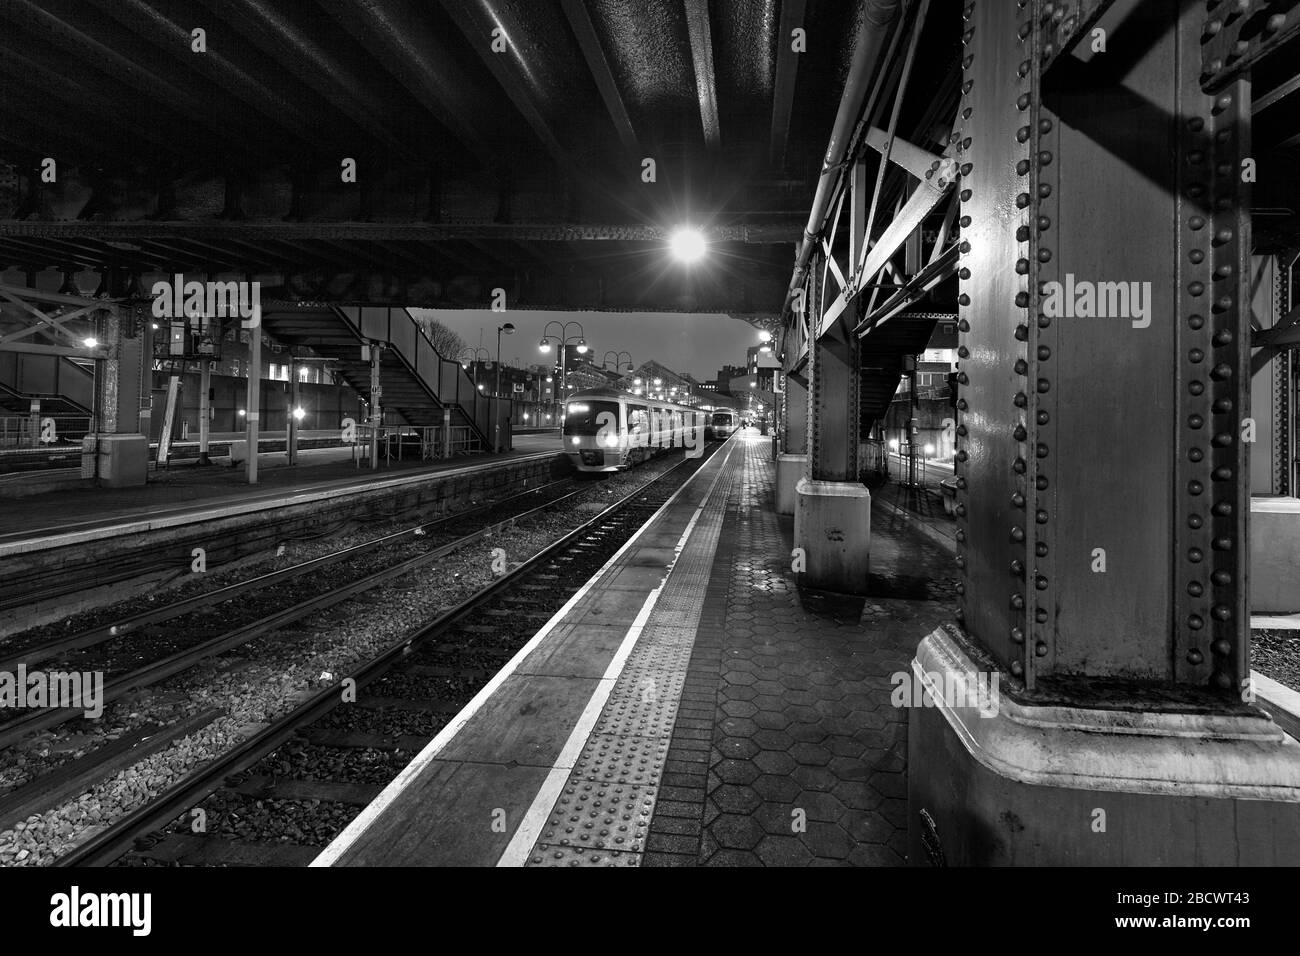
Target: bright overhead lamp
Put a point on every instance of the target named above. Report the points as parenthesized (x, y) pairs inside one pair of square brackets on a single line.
[(544, 345), (90, 342), (687, 245)]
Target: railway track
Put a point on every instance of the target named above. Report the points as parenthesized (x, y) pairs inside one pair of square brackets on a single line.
[(145, 648), (316, 766), (25, 587)]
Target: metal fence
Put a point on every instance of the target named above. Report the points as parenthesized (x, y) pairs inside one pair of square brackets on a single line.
[(425, 442), (43, 431)]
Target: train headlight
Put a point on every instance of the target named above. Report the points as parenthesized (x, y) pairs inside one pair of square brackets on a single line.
[(574, 440), (611, 441)]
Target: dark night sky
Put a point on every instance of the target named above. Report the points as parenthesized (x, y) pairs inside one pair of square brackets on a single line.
[(698, 344)]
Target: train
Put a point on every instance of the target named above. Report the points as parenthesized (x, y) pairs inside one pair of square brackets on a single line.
[(606, 429), (722, 424)]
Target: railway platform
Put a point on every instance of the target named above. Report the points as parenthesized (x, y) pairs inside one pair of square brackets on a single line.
[(68, 550), (691, 705), (192, 490)]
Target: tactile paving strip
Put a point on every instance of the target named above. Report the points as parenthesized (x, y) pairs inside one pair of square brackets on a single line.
[(610, 794), (660, 657), (647, 685), (610, 758), (629, 715), (613, 816), (581, 856)]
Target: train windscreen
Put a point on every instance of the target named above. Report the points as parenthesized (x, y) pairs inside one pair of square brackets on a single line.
[(722, 418), (587, 418)]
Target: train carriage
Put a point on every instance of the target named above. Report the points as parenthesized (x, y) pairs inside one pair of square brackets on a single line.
[(609, 430), (722, 424)]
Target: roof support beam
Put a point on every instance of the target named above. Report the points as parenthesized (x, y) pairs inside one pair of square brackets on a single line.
[(787, 69), (762, 231), (401, 39), (706, 85), (585, 31)]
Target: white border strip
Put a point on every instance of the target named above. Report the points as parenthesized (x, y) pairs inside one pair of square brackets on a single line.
[(530, 829), (58, 540), (353, 831)]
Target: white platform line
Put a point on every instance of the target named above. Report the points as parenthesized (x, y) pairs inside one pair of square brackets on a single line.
[(353, 831), (1275, 622), (530, 829)]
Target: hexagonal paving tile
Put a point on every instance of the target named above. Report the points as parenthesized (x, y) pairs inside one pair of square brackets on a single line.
[(737, 747), (736, 831), (732, 798), (739, 708), (777, 818), (850, 769), (773, 739), (736, 771), (814, 778), (774, 761), (856, 795), (866, 826), (828, 840), (770, 719), (811, 754), (783, 851), (872, 854), (738, 727), (819, 805), (777, 787)]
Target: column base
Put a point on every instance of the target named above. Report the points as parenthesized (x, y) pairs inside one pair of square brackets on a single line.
[(789, 469), (832, 523), (998, 782), (120, 461)]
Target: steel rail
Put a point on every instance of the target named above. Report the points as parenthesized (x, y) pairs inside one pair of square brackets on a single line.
[(164, 667), (96, 635)]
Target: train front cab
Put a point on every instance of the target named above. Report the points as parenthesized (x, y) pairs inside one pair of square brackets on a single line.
[(590, 440), (721, 425)]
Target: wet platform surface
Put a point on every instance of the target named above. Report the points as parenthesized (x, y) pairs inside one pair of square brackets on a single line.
[(694, 707), (189, 488), (789, 752)]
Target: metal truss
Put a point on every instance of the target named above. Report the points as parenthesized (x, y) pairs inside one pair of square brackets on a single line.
[(28, 314)]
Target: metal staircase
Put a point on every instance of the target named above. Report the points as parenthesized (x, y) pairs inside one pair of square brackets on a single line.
[(416, 383), (63, 386), (883, 351)]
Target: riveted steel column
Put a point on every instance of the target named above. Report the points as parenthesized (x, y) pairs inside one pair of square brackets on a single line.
[(832, 508), (833, 405), (1101, 494), (795, 440), (1100, 470)]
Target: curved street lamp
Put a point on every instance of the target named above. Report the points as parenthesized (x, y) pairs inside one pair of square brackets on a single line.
[(563, 341), (618, 360), (473, 359), (509, 329)]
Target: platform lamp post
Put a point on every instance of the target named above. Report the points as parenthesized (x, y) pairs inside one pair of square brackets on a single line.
[(618, 360), (509, 329), (473, 359), (563, 341)]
